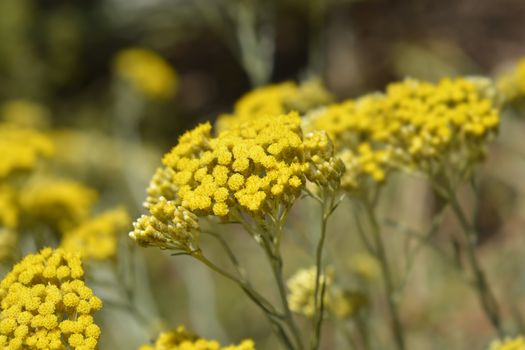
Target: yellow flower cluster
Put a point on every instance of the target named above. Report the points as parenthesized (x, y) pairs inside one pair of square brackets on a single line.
[(341, 303), (452, 119), (255, 166), (46, 305), (274, 100), (60, 203), (356, 126), (25, 113), (20, 148), (302, 289), (170, 226), (414, 125), (517, 343), (96, 238), (181, 339), (146, 72)]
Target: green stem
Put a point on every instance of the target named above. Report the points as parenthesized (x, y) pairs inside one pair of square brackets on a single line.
[(487, 299), (319, 297), (272, 315), (396, 325)]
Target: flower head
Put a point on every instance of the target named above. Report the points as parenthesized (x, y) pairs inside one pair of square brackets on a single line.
[(46, 305), (96, 238), (414, 125), (21, 148), (169, 226), (302, 290), (146, 72), (60, 203), (254, 166), (180, 339), (273, 100)]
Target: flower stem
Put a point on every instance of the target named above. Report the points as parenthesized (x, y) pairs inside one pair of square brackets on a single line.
[(380, 253), (487, 299), (272, 315), (318, 291)]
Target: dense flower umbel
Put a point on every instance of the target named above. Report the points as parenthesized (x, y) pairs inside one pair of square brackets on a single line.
[(415, 125), (181, 339), (46, 305), (517, 343), (96, 238), (20, 148), (147, 72), (450, 120), (254, 166), (257, 167), (276, 99), (60, 203)]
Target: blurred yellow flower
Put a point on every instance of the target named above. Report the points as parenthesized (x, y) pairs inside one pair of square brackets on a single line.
[(276, 99), (517, 343), (25, 113), (302, 290), (365, 266), (46, 305), (414, 125), (20, 148), (58, 202), (96, 238), (180, 339), (146, 72)]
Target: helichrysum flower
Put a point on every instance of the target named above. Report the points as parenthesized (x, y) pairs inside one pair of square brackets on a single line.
[(60, 203), (341, 303), (169, 226), (180, 339), (254, 166), (353, 126), (21, 148), (25, 113), (301, 288), (257, 167), (517, 343), (96, 238), (450, 120), (274, 100), (146, 72), (9, 210), (46, 305), (414, 125)]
